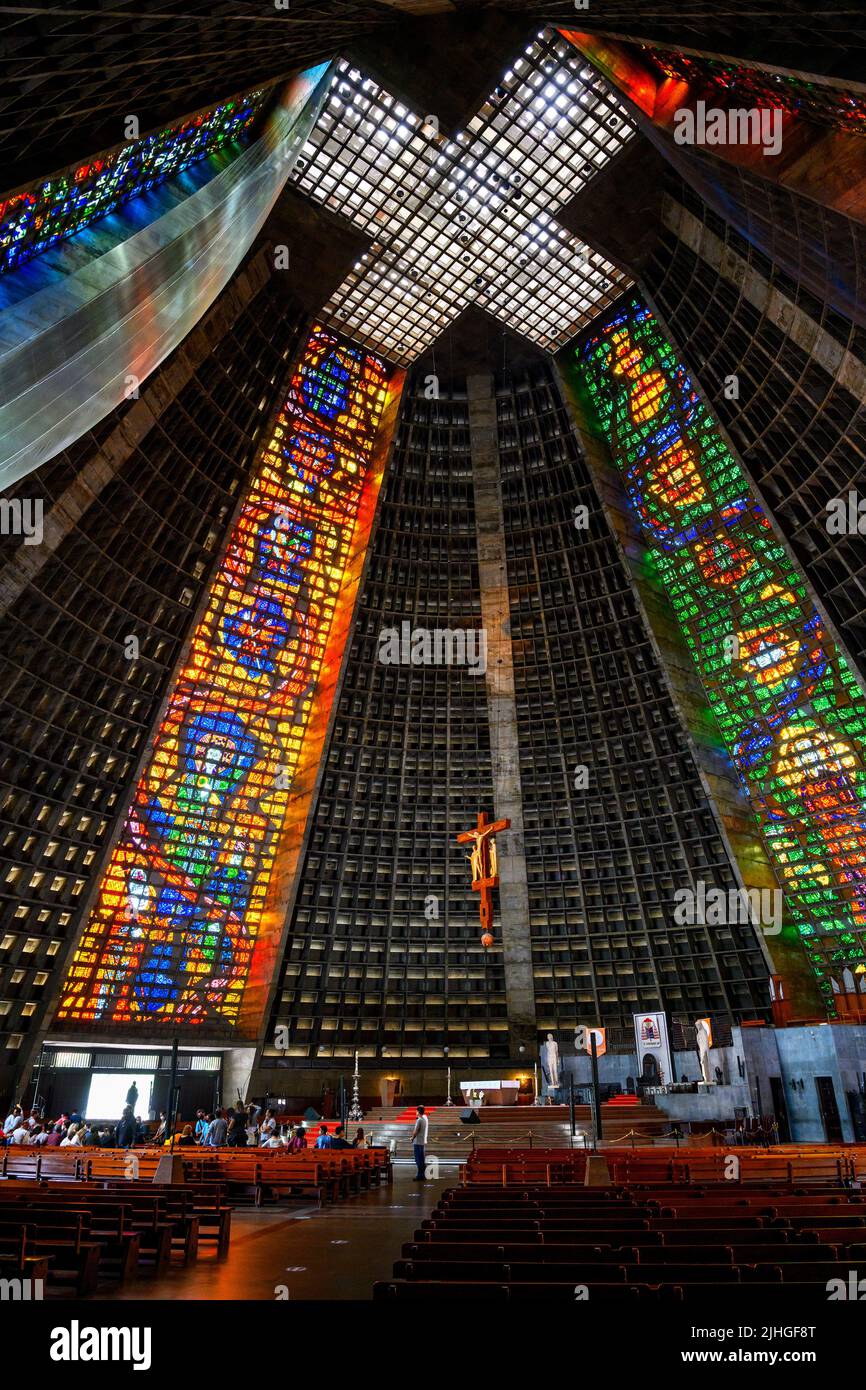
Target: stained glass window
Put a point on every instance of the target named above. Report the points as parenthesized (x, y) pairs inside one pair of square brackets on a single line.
[(791, 713), (736, 84), (178, 916), (34, 220)]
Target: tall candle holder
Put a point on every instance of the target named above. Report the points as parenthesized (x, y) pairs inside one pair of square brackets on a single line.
[(355, 1112), (449, 1101)]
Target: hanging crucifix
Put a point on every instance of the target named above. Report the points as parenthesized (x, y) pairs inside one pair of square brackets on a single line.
[(485, 869)]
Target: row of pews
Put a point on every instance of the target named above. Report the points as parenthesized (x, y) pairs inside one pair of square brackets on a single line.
[(525, 1227), (641, 1167), (79, 1219), (264, 1176), (76, 1235)]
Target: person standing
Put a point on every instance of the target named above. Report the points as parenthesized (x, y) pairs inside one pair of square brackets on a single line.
[(419, 1144), (269, 1125), (236, 1137), (132, 1096), (216, 1134), (201, 1125), (127, 1129)]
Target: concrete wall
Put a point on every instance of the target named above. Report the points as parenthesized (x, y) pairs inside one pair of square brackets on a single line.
[(795, 1054), (834, 1050), (791, 1054)]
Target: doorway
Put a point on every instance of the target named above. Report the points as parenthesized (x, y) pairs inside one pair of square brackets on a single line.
[(829, 1109), (108, 1092), (780, 1109)]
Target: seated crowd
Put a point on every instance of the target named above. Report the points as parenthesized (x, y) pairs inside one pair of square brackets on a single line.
[(241, 1127)]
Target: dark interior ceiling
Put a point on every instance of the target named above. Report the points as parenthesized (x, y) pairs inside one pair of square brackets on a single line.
[(322, 248), (619, 211), (72, 72), (475, 342), (464, 56)]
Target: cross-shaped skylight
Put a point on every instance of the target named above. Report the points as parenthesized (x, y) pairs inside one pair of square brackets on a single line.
[(469, 220)]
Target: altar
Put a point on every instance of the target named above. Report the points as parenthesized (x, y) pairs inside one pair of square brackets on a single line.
[(492, 1092)]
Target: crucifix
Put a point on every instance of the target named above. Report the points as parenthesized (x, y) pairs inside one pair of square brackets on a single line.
[(485, 868)]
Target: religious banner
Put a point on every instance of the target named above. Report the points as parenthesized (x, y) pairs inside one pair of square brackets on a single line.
[(651, 1039)]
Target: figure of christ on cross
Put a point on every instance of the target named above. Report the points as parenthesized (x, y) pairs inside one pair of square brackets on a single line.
[(485, 876)]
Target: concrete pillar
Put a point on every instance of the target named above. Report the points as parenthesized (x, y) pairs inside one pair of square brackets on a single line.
[(237, 1070), (502, 709)]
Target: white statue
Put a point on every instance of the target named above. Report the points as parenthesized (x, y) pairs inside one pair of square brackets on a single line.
[(550, 1061), (702, 1037)]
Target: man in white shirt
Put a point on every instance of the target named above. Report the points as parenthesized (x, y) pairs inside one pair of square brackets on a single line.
[(13, 1119), (419, 1144)]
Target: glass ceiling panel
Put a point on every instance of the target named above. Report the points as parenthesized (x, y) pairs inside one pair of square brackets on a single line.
[(473, 219)]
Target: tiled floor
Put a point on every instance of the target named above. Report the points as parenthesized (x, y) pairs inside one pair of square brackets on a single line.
[(314, 1252)]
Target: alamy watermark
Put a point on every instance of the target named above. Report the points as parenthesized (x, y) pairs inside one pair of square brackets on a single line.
[(22, 516), (437, 646), (851, 1290), (846, 516), (77, 1343), (717, 907), (22, 1290), (756, 125)]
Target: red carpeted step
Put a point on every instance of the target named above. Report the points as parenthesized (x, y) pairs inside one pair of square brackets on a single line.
[(411, 1114)]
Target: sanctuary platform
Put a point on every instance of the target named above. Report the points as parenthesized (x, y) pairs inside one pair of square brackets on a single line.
[(514, 1127)]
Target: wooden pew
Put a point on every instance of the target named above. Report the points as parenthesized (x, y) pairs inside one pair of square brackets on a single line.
[(63, 1236), (17, 1260)]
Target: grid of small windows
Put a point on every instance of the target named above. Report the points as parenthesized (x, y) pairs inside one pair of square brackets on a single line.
[(800, 433), (383, 951), (603, 860), (78, 702), (75, 73), (820, 249), (469, 220)]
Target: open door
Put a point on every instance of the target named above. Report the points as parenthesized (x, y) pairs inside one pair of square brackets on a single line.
[(829, 1109), (780, 1109)]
